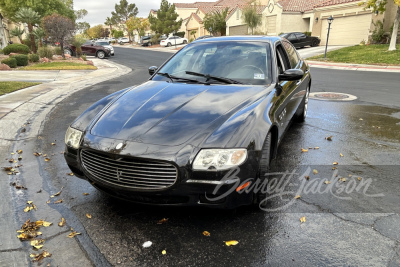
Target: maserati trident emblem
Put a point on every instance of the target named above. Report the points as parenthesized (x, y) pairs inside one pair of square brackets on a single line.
[(118, 175), (119, 146)]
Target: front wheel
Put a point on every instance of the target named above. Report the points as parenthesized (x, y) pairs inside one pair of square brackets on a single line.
[(304, 107), (101, 54), (314, 43), (184, 42), (263, 168), (169, 44)]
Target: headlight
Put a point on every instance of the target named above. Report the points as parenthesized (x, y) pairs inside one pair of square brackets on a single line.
[(219, 159), (73, 137)]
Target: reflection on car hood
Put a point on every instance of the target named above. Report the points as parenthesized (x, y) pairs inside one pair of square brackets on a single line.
[(169, 113)]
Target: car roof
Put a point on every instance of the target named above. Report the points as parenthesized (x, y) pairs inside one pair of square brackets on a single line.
[(269, 39)]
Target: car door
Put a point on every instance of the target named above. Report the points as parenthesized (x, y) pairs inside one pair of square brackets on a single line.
[(293, 39), (297, 89), (302, 39)]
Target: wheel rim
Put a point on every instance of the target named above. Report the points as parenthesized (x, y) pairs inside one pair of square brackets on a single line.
[(306, 103), (66, 51), (100, 55)]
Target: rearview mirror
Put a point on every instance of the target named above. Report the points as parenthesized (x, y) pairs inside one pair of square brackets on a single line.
[(152, 69), (291, 75)]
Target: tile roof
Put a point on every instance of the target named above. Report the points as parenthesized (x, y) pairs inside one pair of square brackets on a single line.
[(209, 9), (299, 5), (196, 17), (334, 2), (193, 5)]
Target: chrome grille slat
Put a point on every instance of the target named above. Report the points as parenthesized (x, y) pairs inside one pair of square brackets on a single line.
[(128, 172), (138, 171)]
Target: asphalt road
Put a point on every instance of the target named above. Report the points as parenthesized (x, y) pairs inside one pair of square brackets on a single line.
[(360, 231)]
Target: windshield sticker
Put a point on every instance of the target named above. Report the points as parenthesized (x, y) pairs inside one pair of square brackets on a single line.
[(259, 76)]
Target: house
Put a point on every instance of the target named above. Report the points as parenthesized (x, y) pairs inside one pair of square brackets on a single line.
[(235, 24), (6, 25)]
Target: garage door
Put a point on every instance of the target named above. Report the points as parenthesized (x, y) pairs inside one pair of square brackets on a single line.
[(347, 30), (238, 30)]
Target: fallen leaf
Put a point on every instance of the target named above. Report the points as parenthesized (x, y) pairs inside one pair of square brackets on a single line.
[(350, 175), (359, 178), (231, 243), (18, 186), (89, 215), (47, 159), (70, 174), (62, 223), (304, 150), (86, 194), (315, 171), (329, 138), (71, 235), (334, 168), (206, 233), (58, 193), (11, 160), (317, 147), (341, 155), (19, 151), (342, 179), (147, 244), (162, 221), (48, 201), (58, 201), (164, 252), (43, 223), (361, 119), (297, 197), (53, 144), (37, 243), (39, 257), (327, 182), (37, 154), (335, 163), (307, 177), (303, 219)]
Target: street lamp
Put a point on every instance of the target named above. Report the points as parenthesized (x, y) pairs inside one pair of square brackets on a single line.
[(330, 20)]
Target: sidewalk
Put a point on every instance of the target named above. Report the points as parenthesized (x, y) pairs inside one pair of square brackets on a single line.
[(349, 66)]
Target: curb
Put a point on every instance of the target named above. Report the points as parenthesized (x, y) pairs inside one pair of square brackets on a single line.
[(357, 67)]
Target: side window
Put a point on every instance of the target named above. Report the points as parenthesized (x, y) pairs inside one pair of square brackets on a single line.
[(282, 60), (291, 51), (291, 37), (300, 35)]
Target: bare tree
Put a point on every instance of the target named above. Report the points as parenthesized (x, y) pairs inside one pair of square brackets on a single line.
[(58, 28)]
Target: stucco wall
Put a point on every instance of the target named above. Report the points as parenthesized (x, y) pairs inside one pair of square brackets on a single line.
[(294, 22), (184, 12)]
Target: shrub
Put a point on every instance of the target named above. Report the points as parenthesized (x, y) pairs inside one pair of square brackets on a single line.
[(1, 51), (307, 33), (46, 51), (180, 34), (22, 60), (57, 51), (378, 32), (16, 48), (83, 57), (11, 62), (33, 58)]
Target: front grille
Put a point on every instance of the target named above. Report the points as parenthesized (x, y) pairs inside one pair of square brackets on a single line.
[(129, 172)]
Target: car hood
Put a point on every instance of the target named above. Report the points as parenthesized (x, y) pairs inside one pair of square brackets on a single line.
[(170, 113)]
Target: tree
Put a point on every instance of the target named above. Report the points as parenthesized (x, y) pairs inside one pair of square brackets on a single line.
[(82, 27), (31, 18), (123, 12), (215, 22), (193, 32), (117, 34), (138, 24), (58, 28), (44, 7), (17, 32), (165, 22), (39, 35), (380, 6), (95, 32), (110, 22), (251, 18), (78, 41)]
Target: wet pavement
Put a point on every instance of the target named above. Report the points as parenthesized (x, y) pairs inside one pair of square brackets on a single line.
[(360, 231)]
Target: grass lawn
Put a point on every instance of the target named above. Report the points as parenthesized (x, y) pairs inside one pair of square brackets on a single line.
[(59, 66), (8, 87), (363, 54)]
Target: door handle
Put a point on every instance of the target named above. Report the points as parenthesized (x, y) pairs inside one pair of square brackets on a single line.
[(307, 71), (298, 82)]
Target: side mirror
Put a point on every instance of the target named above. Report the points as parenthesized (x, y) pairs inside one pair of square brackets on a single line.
[(152, 70), (291, 75)]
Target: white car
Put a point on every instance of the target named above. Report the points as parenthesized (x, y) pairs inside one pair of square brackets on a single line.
[(123, 40), (106, 44), (172, 40)]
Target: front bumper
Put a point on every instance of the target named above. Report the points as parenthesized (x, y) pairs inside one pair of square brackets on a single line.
[(192, 188)]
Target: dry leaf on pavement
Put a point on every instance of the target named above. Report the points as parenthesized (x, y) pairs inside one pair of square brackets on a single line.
[(164, 252), (304, 150), (303, 219), (231, 243), (327, 182), (37, 243), (40, 256), (89, 215), (297, 197), (162, 221), (206, 233), (74, 233), (315, 171), (329, 138), (62, 223)]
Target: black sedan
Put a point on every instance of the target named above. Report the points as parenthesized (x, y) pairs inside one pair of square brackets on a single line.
[(201, 131), (299, 39)]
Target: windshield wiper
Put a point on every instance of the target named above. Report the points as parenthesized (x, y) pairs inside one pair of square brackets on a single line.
[(172, 78), (208, 76)]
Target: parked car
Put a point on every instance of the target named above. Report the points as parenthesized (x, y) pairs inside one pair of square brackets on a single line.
[(207, 123), (105, 44), (123, 40), (204, 37), (147, 40), (172, 40), (89, 48), (299, 39)]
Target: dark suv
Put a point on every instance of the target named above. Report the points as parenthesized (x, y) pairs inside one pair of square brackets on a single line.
[(146, 40), (90, 49)]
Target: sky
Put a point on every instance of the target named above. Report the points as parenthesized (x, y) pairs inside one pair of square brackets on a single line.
[(99, 10)]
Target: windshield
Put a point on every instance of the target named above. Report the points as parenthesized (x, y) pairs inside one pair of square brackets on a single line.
[(244, 62), (102, 43)]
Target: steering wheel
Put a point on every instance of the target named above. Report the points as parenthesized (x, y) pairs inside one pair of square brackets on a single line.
[(252, 67)]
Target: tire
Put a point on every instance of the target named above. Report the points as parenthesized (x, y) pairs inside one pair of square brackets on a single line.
[(68, 51), (184, 42), (304, 107), (314, 43), (265, 160), (101, 54), (169, 44), (149, 44)]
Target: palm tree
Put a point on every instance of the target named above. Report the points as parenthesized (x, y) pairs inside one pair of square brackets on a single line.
[(17, 32), (109, 22), (30, 17), (39, 34)]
